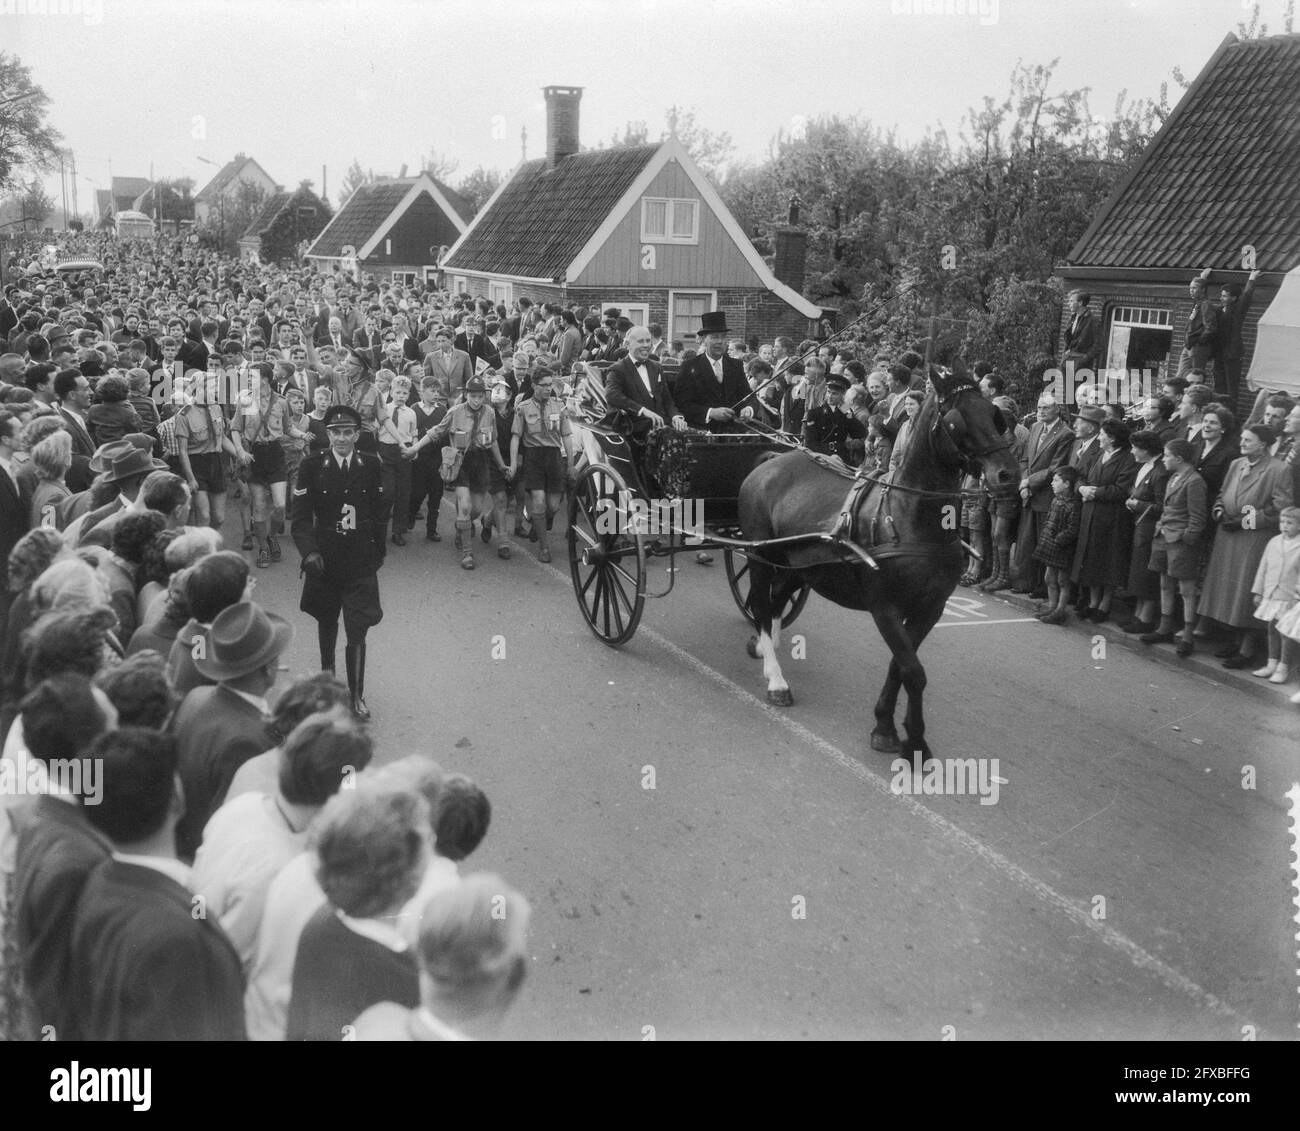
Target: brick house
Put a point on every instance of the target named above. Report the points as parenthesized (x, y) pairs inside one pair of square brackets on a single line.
[(1217, 187), (640, 228), (393, 229)]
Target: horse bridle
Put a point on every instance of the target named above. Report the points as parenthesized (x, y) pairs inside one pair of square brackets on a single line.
[(967, 461)]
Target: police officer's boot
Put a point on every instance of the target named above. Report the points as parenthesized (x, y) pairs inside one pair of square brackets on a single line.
[(354, 656)]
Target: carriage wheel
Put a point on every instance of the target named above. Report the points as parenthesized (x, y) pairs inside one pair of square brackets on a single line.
[(738, 579), (607, 565)]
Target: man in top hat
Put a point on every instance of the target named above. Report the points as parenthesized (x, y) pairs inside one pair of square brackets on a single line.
[(832, 431), (220, 726), (338, 520), (710, 384)]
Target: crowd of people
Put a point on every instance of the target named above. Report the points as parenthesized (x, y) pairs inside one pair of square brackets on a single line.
[(233, 866)]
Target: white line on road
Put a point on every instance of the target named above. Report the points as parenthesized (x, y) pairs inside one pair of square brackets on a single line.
[(1078, 915), (982, 623)]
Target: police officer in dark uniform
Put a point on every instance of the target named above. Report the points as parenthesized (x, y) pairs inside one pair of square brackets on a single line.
[(832, 431), (339, 516)]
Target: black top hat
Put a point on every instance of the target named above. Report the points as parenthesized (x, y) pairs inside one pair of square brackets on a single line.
[(342, 415), (713, 322)]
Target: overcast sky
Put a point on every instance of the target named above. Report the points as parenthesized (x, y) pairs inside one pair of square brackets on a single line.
[(303, 83)]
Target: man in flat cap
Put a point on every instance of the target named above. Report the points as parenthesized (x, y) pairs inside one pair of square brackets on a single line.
[(339, 516)]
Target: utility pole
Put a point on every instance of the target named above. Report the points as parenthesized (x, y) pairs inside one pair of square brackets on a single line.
[(72, 159), (63, 188)]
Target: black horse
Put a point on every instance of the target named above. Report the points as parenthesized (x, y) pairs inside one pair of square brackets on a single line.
[(906, 523)]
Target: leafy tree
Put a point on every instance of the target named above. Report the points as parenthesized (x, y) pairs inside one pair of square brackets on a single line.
[(25, 209), (353, 179), (26, 139), (478, 186), (438, 165), (710, 151)]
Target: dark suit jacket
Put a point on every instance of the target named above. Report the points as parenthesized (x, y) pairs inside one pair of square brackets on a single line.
[(626, 392), (1214, 467), (1081, 341), (1045, 459), (15, 519), (82, 443), (1203, 333), (480, 347), (1083, 458), (1229, 341), (368, 344), (698, 390), (57, 850), (193, 355), (216, 732), (145, 968)]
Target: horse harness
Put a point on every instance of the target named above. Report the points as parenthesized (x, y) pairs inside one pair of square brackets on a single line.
[(846, 528)]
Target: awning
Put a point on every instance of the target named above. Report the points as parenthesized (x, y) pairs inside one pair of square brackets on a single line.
[(1276, 364)]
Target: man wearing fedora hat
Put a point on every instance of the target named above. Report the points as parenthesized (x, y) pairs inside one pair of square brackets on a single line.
[(218, 727), (338, 521), (125, 463)]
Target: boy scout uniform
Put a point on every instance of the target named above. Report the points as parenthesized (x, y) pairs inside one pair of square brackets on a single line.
[(542, 430)]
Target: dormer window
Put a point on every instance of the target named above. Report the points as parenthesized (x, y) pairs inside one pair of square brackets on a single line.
[(664, 220)]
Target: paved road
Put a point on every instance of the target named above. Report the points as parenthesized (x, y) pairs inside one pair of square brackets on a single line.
[(771, 884)]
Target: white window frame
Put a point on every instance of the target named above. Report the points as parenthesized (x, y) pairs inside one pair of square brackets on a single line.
[(672, 204), (672, 311), (628, 308), (459, 284), (1135, 318), (430, 275), (500, 292), (404, 278)]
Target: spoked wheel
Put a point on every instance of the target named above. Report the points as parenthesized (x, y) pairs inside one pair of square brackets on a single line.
[(606, 560), (738, 579)]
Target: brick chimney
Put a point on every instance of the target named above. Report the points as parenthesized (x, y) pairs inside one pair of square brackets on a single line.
[(790, 256), (790, 250), (561, 122)]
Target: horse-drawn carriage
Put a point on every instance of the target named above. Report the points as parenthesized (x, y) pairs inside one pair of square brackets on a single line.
[(635, 502), (788, 522)]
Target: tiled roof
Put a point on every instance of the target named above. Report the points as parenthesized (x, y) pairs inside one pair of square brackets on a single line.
[(225, 175), (542, 218), (458, 202), (367, 208), (270, 210), (130, 188), (1222, 173)]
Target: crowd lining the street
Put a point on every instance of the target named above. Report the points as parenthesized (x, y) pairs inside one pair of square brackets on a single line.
[(331, 898)]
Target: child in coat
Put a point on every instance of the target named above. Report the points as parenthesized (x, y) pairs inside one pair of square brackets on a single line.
[(1056, 540)]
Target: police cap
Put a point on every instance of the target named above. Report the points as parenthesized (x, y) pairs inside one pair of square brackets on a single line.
[(342, 416)]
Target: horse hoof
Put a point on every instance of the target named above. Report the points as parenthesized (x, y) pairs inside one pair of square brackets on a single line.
[(885, 743), (751, 646), (781, 698)]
